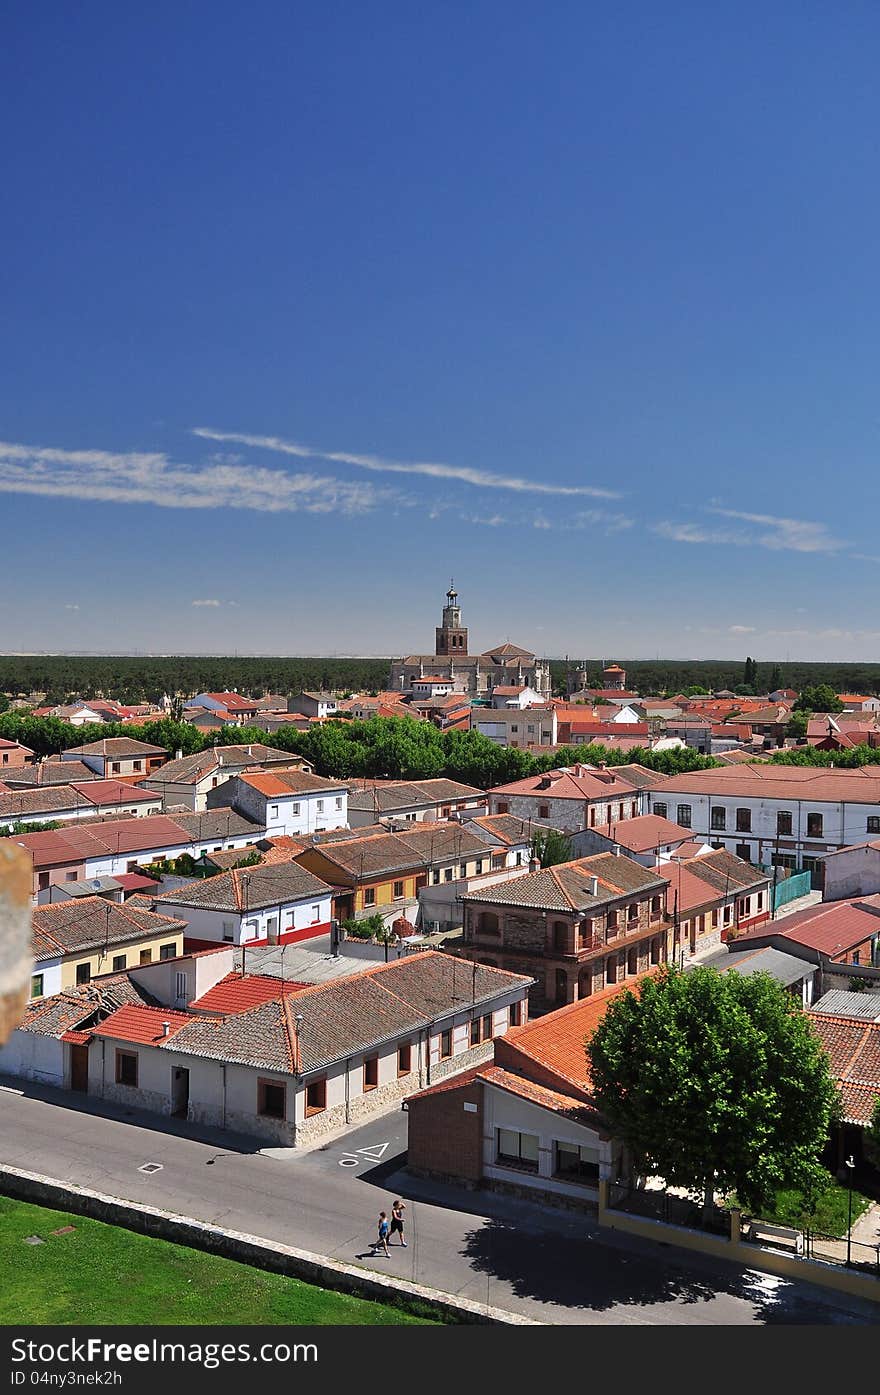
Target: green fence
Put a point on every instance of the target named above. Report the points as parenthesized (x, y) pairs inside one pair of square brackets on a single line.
[(791, 888)]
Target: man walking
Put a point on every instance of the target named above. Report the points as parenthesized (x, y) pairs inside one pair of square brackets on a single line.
[(397, 1220)]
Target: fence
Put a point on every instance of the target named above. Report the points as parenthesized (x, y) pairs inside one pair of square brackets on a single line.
[(668, 1207), (786, 888), (832, 1250)]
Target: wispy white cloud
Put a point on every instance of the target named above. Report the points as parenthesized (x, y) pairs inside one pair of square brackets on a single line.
[(137, 477), (793, 534), (71, 607), (742, 629), (209, 603), (485, 479), (767, 530)]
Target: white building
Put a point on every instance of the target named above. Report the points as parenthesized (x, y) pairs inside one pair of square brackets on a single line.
[(515, 726), (787, 815), (287, 801), (270, 903), (185, 783)]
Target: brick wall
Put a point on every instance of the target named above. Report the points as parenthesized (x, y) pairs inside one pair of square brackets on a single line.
[(444, 1137)]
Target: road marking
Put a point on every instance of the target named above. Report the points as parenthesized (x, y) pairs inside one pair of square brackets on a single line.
[(371, 1154)]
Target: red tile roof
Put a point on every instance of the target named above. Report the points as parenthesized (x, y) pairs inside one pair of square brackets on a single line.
[(558, 784), (854, 1048), (141, 1025), (762, 781), (831, 929), (645, 832), (237, 993)]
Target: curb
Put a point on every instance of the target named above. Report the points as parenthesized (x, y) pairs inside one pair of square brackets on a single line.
[(247, 1249)]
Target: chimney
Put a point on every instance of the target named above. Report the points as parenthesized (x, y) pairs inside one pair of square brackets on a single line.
[(166, 1028), (534, 864), (250, 750), (178, 755), (594, 886)]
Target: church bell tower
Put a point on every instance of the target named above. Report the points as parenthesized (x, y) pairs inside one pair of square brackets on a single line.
[(451, 637)]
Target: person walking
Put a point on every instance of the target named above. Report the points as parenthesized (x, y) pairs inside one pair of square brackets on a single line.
[(397, 1220), (381, 1241)]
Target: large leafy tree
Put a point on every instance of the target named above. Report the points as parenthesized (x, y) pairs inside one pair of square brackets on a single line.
[(819, 698), (716, 1082), (551, 847)]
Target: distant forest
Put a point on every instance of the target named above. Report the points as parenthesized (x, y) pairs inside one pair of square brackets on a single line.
[(144, 679)]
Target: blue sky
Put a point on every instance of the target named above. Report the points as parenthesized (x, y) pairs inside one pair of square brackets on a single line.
[(309, 306)]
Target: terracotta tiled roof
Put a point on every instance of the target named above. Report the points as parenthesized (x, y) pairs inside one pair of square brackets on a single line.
[(556, 1041), (118, 746), (763, 781), (190, 770), (284, 783), (141, 1025), (568, 1105), (831, 929), (387, 796), (77, 1006), (559, 784), (854, 1048), (645, 832), (77, 844), (248, 888), (237, 993), (87, 922), (566, 887), (506, 827)]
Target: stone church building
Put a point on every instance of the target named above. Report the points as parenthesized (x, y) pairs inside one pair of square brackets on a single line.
[(476, 675)]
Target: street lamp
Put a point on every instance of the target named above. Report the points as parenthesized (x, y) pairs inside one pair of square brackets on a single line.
[(850, 1167)]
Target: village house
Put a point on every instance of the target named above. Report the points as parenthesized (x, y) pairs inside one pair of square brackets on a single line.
[(371, 801), (46, 772), (515, 726), (647, 838), (13, 755), (852, 871), (296, 1068), (859, 702), (184, 783), (713, 897), (77, 940), (286, 802), (571, 798), (838, 932), (524, 1123), (781, 815), (69, 803), (577, 927), (235, 707), (118, 758), (275, 903), (312, 704), (853, 1046), (118, 846)]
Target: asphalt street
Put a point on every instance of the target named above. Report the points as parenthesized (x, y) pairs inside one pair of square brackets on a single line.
[(553, 1265)]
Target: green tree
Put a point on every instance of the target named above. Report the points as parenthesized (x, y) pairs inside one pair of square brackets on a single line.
[(797, 725), (820, 698), (775, 678), (716, 1082), (551, 847)]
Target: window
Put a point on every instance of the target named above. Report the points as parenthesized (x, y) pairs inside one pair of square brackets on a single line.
[(447, 874), (83, 973), (684, 815), (856, 955), (316, 1096), (744, 851), (743, 820), (339, 801), (487, 1027), (180, 986), (873, 824), (502, 808), (320, 806), (43, 881), (271, 1099), (168, 951), (660, 809), (655, 905), (369, 896), (760, 900), (514, 1015), (592, 816), (228, 931), (37, 986), (475, 1032), (514, 726), (517, 1149), (404, 1059), (543, 811), (131, 866), (560, 936), (398, 890), (478, 866), (118, 963), (294, 808), (127, 1068), (574, 1163), (783, 823), (718, 818), (273, 811), (462, 871), (435, 878), (146, 956), (632, 912), (814, 825), (612, 923), (316, 915), (371, 1072), (445, 1044), (136, 765), (115, 767)]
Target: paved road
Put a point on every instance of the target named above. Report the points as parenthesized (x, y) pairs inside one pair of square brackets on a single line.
[(554, 1266)]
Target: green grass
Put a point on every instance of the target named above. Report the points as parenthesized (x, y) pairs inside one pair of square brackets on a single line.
[(831, 1213), (102, 1274)]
